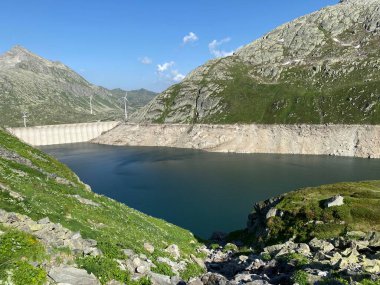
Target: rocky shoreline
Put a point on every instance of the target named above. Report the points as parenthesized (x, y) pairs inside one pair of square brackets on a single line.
[(355, 257), (338, 140)]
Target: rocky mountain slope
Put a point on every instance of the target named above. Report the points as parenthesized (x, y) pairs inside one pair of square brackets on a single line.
[(52, 93), (320, 68)]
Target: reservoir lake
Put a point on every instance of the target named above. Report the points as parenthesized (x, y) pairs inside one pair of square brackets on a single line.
[(201, 191)]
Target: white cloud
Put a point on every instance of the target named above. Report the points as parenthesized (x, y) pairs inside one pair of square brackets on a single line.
[(190, 38), (145, 60), (165, 66), (165, 71), (215, 49), (176, 76)]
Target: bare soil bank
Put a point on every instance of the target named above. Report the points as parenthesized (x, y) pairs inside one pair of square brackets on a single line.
[(339, 140)]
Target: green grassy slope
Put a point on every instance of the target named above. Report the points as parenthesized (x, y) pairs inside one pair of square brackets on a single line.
[(305, 216), (114, 225)]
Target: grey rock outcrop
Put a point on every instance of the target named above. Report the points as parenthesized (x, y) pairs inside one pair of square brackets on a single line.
[(72, 276), (335, 201)]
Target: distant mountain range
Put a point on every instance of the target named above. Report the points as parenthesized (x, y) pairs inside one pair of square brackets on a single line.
[(51, 93), (320, 68)]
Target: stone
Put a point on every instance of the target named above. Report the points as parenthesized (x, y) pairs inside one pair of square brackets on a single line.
[(85, 201), (321, 245), (174, 251), (72, 275), (195, 281), (159, 279), (271, 213), (43, 221), (141, 269), (213, 279), (148, 247), (128, 252), (198, 261), (334, 201)]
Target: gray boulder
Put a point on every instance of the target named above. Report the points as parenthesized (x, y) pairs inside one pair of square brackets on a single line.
[(334, 201), (321, 245), (73, 276)]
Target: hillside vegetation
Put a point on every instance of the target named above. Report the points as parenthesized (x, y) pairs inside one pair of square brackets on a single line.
[(35, 185)]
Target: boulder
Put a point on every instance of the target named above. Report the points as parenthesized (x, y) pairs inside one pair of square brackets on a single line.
[(335, 201), (173, 250), (72, 276), (148, 247), (214, 279), (159, 279), (321, 245)]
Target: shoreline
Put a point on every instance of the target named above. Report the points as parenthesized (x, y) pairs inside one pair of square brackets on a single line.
[(336, 140)]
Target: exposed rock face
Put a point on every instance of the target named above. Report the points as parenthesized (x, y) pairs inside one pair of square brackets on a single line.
[(339, 140), (310, 70)]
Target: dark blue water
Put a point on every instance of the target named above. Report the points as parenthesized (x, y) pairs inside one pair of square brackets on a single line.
[(200, 191)]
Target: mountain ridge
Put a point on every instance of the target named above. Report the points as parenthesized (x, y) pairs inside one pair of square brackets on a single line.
[(52, 93), (304, 71)]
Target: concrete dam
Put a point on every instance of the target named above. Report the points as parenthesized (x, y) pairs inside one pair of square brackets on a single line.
[(62, 134)]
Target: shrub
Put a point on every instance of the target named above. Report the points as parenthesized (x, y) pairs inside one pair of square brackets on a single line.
[(192, 270), (105, 268), (266, 256), (24, 273), (163, 268), (300, 277)]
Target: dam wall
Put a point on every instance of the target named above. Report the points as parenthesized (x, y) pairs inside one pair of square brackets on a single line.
[(337, 140), (62, 134)]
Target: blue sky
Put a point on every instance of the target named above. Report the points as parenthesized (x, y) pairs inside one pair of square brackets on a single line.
[(140, 43)]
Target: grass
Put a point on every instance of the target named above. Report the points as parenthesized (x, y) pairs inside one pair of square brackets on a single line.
[(17, 250), (303, 208), (298, 96), (114, 225)]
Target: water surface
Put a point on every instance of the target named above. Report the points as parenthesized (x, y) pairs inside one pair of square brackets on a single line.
[(200, 191)]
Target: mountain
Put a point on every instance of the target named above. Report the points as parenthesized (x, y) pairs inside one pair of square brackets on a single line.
[(137, 98), (51, 93), (319, 68)]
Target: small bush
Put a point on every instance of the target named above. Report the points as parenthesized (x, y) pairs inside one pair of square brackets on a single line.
[(163, 268), (192, 270), (24, 273), (298, 258), (370, 282), (142, 281), (266, 256), (105, 268), (300, 277)]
